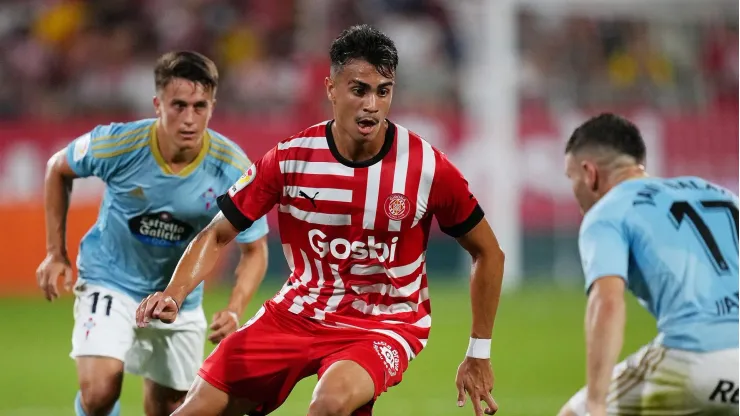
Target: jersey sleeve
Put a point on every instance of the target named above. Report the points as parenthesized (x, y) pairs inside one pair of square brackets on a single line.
[(254, 193), (604, 250), (84, 161), (450, 200)]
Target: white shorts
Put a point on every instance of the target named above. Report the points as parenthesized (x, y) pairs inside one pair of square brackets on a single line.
[(662, 381), (105, 326)]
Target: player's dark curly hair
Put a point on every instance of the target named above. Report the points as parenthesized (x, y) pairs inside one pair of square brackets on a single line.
[(188, 65), (608, 131), (365, 43)]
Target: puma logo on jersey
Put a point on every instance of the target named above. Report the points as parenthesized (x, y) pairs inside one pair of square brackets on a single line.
[(313, 200)]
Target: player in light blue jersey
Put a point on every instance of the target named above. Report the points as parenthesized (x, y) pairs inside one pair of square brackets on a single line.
[(162, 178), (673, 243)]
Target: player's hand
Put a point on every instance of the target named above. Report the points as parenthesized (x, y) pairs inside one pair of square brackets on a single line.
[(475, 377), (48, 272), (156, 306), (224, 323)]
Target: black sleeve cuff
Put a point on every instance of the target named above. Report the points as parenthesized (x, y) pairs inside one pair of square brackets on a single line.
[(232, 213), (464, 227)]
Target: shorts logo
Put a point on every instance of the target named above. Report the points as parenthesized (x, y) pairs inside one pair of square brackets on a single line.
[(82, 145), (89, 325), (397, 206), (389, 355), (160, 229), (244, 180)]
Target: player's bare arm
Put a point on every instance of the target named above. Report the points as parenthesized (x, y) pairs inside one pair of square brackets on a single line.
[(57, 191), (605, 318), (249, 274), (197, 263), (475, 374)]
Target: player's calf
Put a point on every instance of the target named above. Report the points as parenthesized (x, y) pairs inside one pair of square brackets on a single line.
[(343, 388)]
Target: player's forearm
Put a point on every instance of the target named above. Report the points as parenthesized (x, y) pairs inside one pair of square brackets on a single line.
[(249, 275), (605, 317), (485, 290), (195, 265), (57, 191)]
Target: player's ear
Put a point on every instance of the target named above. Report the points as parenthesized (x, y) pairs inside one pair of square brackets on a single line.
[(329, 84), (591, 175), (156, 102)]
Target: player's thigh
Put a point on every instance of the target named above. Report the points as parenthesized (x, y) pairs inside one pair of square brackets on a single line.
[(101, 337), (169, 355), (204, 399), (361, 366), (263, 360), (714, 380), (344, 387)]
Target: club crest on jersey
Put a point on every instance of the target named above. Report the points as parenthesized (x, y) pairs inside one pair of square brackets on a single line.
[(209, 197), (397, 206), (244, 180), (389, 355)]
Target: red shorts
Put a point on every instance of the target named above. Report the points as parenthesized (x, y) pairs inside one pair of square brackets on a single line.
[(268, 356)]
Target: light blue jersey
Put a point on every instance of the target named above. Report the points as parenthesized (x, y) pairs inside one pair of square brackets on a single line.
[(149, 214), (675, 242)]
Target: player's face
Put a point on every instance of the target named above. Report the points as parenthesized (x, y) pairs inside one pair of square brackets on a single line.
[(361, 98), (184, 109), (583, 177)]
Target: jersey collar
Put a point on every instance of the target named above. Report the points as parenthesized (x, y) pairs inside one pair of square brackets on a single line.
[(160, 160)]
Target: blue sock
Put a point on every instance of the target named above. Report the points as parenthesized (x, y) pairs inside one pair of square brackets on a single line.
[(116, 411), (78, 405)]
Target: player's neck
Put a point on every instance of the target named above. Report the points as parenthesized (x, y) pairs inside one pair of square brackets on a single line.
[(627, 173), (355, 151), (173, 155)]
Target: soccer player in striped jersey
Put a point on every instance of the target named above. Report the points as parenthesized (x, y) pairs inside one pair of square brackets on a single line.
[(162, 179), (356, 198), (672, 242)]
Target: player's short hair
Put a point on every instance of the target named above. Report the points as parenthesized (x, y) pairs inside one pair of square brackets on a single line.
[(188, 65), (608, 132), (363, 42)]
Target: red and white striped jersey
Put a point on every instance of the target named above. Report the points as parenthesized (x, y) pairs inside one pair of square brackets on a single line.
[(355, 234)]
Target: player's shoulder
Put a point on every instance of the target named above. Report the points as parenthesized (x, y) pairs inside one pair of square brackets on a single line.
[(686, 186), (120, 138), (226, 154), (614, 206), (313, 137)]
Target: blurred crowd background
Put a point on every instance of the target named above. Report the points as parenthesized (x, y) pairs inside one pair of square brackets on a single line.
[(70, 64), (80, 57)]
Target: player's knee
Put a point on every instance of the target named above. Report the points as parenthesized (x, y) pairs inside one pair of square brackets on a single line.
[(98, 398), (330, 405)]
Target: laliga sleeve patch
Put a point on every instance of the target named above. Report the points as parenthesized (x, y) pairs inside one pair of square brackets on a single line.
[(243, 181), (82, 146)]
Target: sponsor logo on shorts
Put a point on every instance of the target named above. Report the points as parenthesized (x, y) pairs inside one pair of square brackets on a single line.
[(389, 355), (160, 229), (397, 206), (726, 391)]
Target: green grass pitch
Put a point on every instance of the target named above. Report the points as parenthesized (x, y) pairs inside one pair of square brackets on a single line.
[(538, 355)]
